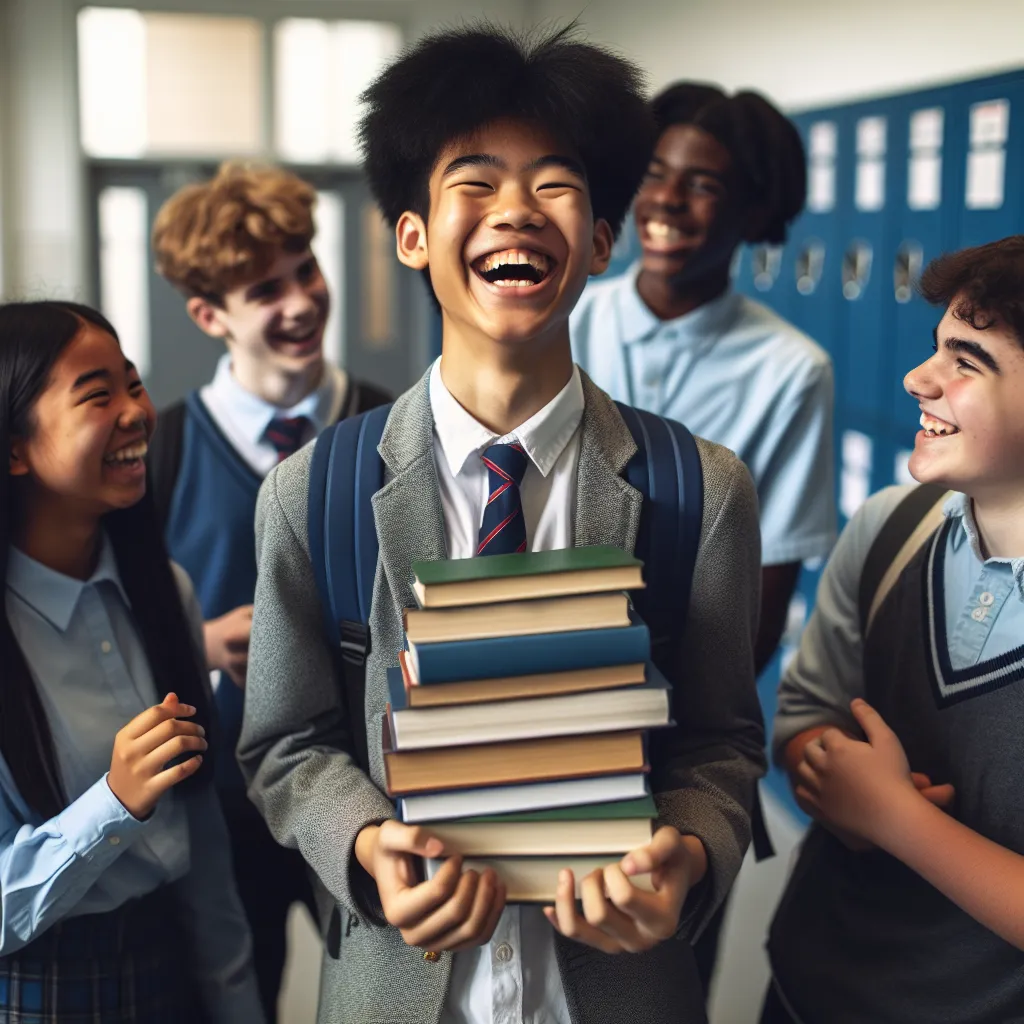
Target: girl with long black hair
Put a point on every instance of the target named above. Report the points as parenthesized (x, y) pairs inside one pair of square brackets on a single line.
[(117, 901)]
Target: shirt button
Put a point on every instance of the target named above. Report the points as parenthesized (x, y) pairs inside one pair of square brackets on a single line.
[(503, 953), (430, 956), (114, 840), (986, 599), (106, 647), (979, 614)]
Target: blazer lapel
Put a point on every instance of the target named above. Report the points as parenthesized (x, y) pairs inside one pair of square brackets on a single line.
[(607, 507)]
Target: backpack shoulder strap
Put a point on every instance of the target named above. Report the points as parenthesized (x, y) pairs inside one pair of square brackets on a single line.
[(666, 470), (345, 473), (164, 460), (914, 520)]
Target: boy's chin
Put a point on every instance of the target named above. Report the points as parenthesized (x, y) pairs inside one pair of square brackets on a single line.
[(926, 469)]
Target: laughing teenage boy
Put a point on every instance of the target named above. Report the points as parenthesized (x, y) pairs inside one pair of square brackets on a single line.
[(238, 248), (507, 166), (926, 926), (672, 336)]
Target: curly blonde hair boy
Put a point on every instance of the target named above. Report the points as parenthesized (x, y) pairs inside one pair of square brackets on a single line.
[(214, 236)]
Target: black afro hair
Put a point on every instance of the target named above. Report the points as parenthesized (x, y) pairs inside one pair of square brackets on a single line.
[(766, 148), (456, 81)]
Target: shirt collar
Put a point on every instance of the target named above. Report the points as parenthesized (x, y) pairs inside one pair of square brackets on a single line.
[(638, 323), (52, 594), (543, 436), (960, 506), (252, 415)]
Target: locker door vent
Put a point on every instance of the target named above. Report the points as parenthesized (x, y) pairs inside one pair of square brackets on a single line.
[(810, 262), (907, 270), (856, 269)]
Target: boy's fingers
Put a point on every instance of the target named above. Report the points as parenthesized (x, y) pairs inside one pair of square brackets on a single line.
[(920, 780), (164, 731), (152, 717), (429, 930), (941, 796), (469, 931), (657, 913), (870, 721), (163, 781), (153, 763), (407, 905), (398, 838), (600, 912), (664, 845)]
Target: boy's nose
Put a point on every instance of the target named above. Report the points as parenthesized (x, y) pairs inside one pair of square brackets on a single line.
[(514, 210), (921, 382)]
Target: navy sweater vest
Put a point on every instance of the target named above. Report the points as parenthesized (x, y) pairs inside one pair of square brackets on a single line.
[(209, 534)]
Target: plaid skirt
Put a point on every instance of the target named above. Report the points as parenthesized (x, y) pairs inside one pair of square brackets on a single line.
[(129, 966)]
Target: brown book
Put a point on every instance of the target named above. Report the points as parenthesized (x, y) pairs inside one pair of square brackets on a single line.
[(517, 618), (545, 684), (501, 764)]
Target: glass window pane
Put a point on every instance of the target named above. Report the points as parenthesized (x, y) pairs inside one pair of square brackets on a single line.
[(301, 89), (112, 81), (204, 88), (124, 269), (361, 49), (329, 247)]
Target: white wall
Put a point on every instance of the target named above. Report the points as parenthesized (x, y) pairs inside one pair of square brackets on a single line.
[(805, 53)]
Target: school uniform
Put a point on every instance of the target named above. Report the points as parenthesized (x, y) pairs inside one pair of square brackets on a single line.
[(861, 937), (105, 917), (229, 440), (738, 374), (315, 798)]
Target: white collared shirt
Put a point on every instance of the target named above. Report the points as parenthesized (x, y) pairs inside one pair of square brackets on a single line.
[(243, 417), (514, 979)]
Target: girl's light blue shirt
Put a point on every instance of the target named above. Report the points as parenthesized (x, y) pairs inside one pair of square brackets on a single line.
[(92, 675)]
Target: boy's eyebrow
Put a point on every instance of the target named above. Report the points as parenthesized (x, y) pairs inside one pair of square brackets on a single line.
[(566, 162), (473, 160), (952, 344)]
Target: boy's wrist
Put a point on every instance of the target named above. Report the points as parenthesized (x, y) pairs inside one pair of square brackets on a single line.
[(899, 821), (365, 847)]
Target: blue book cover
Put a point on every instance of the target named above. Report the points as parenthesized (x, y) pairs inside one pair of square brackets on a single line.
[(457, 660)]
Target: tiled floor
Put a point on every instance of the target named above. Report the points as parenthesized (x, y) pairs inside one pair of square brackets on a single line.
[(742, 970)]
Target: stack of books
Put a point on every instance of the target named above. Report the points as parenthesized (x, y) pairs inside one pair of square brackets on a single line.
[(516, 728)]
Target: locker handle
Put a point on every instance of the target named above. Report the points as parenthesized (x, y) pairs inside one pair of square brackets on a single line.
[(907, 270), (766, 261), (810, 263), (856, 269)]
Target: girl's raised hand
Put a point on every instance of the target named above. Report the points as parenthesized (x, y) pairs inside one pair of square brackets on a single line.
[(139, 775)]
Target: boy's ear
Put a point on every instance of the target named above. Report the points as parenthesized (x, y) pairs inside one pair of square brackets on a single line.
[(206, 317), (603, 242), (17, 466), (411, 238)]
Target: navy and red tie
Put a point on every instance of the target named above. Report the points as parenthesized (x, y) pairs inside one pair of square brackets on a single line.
[(285, 434), (503, 530)]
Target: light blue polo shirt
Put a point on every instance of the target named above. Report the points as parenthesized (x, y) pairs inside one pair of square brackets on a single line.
[(735, 373)]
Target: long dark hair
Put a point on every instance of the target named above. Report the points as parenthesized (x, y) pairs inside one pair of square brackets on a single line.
[(32, 337)]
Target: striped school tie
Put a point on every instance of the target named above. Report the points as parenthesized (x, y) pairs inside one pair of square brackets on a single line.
[(285, 434), (503, 530)]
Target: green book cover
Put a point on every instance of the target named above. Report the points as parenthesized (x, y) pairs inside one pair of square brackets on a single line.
[(644, 807), (529, 563)]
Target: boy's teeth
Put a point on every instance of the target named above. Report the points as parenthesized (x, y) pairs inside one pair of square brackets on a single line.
[(512, 257), (663, 232), (937, 428)]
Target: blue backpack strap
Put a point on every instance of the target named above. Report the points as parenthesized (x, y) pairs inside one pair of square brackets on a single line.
[(666, 470), (345, 473)]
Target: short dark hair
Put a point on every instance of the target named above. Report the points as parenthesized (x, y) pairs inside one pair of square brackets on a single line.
[(983, 286), (766, 147), (456, 81)]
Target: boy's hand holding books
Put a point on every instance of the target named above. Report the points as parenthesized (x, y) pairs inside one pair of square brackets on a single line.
[(453, 911), (619, 917)]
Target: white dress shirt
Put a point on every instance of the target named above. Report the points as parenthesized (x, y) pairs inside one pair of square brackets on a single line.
[(243, 417), (514, 979)]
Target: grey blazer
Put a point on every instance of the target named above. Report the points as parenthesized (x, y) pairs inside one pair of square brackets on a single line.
[(314, 797)]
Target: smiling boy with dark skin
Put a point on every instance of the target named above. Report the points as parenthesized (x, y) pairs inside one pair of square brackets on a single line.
[(509, 195), (670, 335)]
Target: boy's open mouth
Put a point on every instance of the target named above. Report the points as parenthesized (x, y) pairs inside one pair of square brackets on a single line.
[(514, 268), (934, 427), (129, 458)]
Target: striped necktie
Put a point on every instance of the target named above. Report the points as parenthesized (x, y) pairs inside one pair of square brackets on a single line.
[(503, 530), (285, 434)]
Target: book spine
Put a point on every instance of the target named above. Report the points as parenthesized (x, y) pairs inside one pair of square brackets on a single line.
[(456, 661)]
